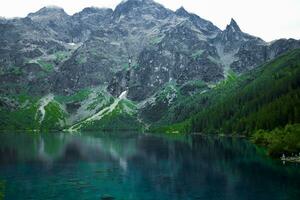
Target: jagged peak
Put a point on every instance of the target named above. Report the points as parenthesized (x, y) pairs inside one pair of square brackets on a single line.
[(233, 26), (52, 8), (199, 22), (49, 9), (182, 11), (93, 9)]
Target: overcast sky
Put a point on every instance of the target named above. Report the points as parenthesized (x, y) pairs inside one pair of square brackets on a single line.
[(268, 19)]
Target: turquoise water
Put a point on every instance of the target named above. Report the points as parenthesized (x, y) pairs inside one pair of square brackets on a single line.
[(140, 167)]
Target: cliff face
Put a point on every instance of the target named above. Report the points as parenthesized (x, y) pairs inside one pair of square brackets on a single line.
[(50, 51)]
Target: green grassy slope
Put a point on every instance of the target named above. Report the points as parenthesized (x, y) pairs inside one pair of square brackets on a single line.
[(89, 109), (22, 118), (122, 117), (23, 113)]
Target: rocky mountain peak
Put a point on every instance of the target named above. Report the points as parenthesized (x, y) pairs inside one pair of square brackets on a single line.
[(89, 12), (48, 10), (126, 5), (141, 7), (48, 13), (182, 12), (205, 26), (92, 10), (233, 26)]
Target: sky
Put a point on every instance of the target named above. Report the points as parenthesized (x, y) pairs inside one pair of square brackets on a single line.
[(268, 19)]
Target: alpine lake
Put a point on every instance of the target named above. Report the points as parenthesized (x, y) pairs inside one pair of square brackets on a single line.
[(136, 166)]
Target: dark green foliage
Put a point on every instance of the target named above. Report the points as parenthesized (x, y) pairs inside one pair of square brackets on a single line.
[(259, 103), (61, 56), (123, 117), (11, 71), (54, 118), (2, 189), (162, 100), (46, 65), (113, 121), (264, 98), (178, 128), (280, 140), (77, 97), (19, 118), (183, 105), (15, 71), (24, 115)]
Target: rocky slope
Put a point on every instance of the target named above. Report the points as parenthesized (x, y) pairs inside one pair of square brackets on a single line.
[(140, 47)]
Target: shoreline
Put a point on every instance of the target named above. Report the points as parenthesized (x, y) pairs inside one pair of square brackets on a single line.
[(221, 135), (293, 159)]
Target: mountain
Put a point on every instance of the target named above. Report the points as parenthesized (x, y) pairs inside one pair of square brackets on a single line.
[(55, 65), (259, 101)]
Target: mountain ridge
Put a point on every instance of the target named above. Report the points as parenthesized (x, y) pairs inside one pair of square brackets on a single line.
[(140, 47)]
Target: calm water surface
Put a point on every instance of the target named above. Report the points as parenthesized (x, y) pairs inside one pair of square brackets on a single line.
[(140, 167)]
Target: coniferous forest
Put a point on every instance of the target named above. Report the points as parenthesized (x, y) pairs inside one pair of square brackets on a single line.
[(259, 101)]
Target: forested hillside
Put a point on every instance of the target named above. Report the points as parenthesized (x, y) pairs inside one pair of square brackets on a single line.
[(264, 98)]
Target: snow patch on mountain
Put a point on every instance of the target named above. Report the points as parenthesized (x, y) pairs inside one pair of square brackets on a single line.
[(123, 95)]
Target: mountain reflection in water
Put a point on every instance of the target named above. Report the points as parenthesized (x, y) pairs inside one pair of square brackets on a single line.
[(138, 166)]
